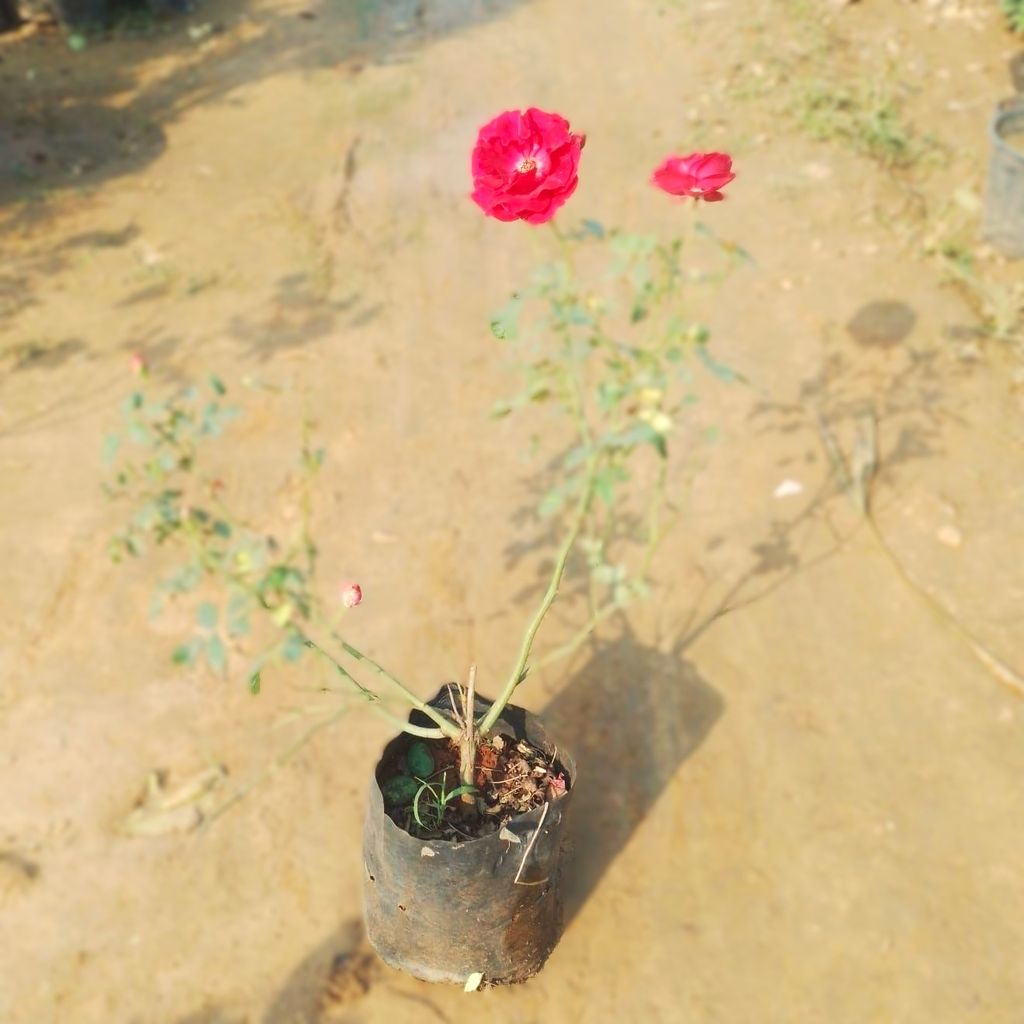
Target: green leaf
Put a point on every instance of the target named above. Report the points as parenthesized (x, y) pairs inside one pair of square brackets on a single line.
[(183, 580), (185, 654), (221, 528), (556, 497), (605, 481), (572, 313), (238, 614), (505, 322), (592, 227), (720, 370), (138, 434), (239, 625), (576, 456), (254, 684), (206, 615), (639, 433), (457, 791), (111, 444), (216, 654), (293, 648), (437, 806), (609, 394), (218, 385)]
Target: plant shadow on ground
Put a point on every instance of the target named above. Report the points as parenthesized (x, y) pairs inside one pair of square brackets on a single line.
[(300, 314), (13, 297), (77, 120), (899, 387), (70, 128), (632, 715)]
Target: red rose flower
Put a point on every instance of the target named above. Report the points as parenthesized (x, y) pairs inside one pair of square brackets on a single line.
[(524, 165), (699, 175)]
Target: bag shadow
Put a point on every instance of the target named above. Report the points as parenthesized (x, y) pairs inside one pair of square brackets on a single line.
[(631, 717)]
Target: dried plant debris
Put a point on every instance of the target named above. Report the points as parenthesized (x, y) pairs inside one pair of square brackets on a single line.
[(422, 790), (161, 810)]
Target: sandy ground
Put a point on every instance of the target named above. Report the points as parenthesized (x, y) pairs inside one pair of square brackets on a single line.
[(800, 795)]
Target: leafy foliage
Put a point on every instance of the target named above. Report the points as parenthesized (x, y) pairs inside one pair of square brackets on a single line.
[(1014, 11), (614, 353), (159, 469)]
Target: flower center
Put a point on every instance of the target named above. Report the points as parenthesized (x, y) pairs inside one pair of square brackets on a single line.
[(526, 165)]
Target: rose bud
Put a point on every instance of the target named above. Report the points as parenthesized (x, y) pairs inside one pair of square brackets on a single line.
[(351, 594), (699, 175)]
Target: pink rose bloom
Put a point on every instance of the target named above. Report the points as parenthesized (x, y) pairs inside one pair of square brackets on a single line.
[(351, 594), (699, 175), (524, 165)]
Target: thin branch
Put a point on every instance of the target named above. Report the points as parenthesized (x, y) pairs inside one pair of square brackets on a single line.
[(529, 845), (858, 483), (444, 724), (374, 699), (572, 645), (580, 515), (278, 762), (997, 668), (468, 751)]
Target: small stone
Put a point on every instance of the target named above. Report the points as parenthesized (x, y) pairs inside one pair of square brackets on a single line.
[(788, 488), (949, 535)]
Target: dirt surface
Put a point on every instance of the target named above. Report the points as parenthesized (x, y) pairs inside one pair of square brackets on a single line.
[(822, 819)]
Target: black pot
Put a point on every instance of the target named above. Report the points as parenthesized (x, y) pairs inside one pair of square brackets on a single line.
[(1017, 71), (1004, 195), (81, 13), (442, 911), (9, 17)]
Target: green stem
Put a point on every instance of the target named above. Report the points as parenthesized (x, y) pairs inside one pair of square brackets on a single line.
[(564, 245), (446, 726), (653, 534), (374, 700), (580, 515), (588, 627)]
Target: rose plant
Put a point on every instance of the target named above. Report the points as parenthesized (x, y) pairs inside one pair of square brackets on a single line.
[(600, 335)]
